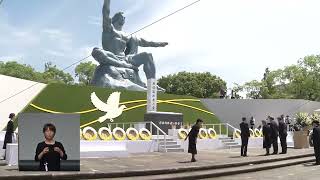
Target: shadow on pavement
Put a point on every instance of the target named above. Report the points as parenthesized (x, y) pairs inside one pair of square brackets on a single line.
[(309, 164), (184, 162)]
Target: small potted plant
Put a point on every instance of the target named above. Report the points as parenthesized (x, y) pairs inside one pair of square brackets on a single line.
[(300, 135)]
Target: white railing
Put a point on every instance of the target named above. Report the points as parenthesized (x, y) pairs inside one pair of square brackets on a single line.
[(139, 125), (221, 129)]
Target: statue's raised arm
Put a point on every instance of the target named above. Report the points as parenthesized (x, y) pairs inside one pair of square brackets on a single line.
[(107, 23)]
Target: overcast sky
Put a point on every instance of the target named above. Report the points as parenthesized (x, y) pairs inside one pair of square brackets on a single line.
[(234, 39)]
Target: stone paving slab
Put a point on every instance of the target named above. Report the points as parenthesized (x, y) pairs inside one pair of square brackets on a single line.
[(156, 161), (305, 171)]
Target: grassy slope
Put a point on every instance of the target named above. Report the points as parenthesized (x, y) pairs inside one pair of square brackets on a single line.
[(65, 98)]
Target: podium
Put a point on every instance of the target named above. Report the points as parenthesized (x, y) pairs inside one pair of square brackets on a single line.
[(164, 120)]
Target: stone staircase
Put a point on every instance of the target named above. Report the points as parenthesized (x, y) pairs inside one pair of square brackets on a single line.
[(171, 146), (229, 142)]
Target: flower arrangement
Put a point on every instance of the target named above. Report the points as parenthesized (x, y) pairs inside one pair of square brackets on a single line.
[(304, 120)]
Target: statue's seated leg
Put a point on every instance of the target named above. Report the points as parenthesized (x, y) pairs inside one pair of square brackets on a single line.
[(146, 60), (102, 56), (106, 75)]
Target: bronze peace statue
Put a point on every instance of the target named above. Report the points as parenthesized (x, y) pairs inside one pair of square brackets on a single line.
[(119, 59)]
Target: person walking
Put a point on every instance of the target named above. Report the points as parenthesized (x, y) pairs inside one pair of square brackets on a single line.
[(274, 135), (316, 140), (193, 135), (266, 131), (9, 132), (283, 135), (245, 134)]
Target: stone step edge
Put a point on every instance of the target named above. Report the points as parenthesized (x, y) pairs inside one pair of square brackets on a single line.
[(146, 172), (214, 173)]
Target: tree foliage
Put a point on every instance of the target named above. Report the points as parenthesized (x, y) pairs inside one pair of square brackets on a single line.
[(84, 71), (51, 73), (299, 81), (201, 85)]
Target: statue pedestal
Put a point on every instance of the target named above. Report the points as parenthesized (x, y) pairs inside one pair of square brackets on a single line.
[(164, 120)]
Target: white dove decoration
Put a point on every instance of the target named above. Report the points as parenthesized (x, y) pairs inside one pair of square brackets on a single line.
[(111, 108)]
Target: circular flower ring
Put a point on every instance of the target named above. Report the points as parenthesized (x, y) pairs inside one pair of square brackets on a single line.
[(237, 133), (257, 132), (81, 136), (119, 134), (203, 133), (182, 133), (132, 134), (105, 134), (252, 133), (212, 133), (145, 134), (89, 133)]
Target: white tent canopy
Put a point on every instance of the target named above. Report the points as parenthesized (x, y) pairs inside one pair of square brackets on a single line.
[(11, 86)]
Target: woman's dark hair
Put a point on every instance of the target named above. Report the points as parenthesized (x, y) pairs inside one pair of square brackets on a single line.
[(199, 120), (11, 115), (315, 122), (49, 126)]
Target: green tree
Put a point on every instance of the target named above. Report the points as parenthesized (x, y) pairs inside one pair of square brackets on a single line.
[(201, 85), (84, 71), (299, 81), (23, 71), (52, 74)]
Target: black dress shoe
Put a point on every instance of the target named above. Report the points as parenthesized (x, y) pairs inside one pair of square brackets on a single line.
[(274, 153), (283, 153), (193, 160)]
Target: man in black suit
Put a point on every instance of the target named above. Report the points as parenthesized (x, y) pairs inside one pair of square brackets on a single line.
[(266, 131), (245, 134), (274, 135), (283, 135), (316, 140)]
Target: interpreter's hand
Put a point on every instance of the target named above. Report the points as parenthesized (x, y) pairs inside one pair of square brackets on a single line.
[(45, 150), (56, 149)]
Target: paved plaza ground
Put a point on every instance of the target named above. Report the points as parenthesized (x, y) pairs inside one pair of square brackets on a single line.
[(305, 171), (157, 161)]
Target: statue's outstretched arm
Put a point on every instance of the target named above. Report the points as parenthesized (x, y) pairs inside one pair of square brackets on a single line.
[(107, 24), (145, 43)]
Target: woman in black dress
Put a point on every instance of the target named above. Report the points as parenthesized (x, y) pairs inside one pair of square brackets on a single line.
[(193, 135), (49, 152), (9, 131), (266, 131)]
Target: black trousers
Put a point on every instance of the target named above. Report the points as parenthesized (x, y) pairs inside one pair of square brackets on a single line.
[(283, 142), (244, 146), (275, 145), (317, 153)]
